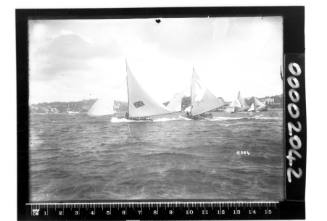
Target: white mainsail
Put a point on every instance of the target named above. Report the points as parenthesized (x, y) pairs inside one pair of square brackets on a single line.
[(175, 104), (140, 103), (202, 99), (234, 106), (259, 105), (258, 102), (241, 100), (239, 103), (101, 107), (236, 103), (252, 108)]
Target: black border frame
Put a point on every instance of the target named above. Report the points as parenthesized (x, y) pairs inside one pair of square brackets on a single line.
[(293, 207)]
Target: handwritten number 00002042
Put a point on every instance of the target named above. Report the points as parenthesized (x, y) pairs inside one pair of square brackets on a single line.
[(294, 127)]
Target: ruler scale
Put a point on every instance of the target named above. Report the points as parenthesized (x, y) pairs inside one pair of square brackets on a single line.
[(155, 210)]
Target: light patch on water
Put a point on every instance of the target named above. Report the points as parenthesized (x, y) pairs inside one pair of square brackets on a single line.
[(226, 118), (35, 140), (170, 119), (121, 120), (261, 117)]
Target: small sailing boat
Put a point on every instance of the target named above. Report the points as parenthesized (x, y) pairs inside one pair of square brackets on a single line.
[(202, 100), (70, 111), (175, 104), (257, 106), (260, 106), (238, 105), (244, 106), (102, 107), (141, 106), (252, 108), (234, 106)]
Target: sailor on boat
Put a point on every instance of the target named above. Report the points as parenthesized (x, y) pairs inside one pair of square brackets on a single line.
[(141, 106)]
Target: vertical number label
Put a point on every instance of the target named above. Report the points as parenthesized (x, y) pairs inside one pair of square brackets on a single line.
[(294, 126)]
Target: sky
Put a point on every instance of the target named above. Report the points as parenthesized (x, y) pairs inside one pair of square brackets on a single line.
[(71, 60)]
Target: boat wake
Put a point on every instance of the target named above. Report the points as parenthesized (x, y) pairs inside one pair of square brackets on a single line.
[(164, 119), (121, 120), (225, 118), (182, 118), (170, 119)]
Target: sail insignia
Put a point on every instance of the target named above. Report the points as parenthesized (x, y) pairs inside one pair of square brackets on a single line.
[(138, 104)]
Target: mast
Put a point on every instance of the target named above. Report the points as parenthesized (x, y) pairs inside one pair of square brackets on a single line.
[(126, 67), (191, 94)]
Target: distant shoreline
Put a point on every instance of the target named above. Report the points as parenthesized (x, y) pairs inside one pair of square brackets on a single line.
[(83, 106)]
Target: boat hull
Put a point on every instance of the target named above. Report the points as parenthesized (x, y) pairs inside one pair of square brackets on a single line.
[(152, 118), (200, 116), (140, 118)]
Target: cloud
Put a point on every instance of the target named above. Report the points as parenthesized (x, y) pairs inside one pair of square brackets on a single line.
[(66, 53), (184, 38), (77, 59)]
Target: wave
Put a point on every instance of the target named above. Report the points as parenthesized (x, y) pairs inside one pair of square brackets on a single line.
[(260, 117), (226, 118), (171, 155), (164, 119)]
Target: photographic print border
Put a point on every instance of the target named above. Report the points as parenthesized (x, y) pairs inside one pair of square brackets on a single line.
[(292, 207)]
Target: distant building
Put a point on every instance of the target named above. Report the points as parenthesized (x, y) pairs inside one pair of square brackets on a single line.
[(273, 101), (268, 100)]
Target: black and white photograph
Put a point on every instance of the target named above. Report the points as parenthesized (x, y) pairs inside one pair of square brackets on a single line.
[(156, 108)]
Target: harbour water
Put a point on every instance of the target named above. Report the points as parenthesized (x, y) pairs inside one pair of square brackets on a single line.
[(229, 157)]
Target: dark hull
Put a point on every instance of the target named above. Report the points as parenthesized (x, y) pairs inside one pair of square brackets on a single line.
[(140, 118), (200, 116)]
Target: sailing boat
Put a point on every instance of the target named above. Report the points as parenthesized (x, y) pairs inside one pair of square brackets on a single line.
[(252, 108), (244, 106), (238, 104), (70, 111), (234, 106), (202, 100), (257, 106), (141, 106), (175, 104), (102, 107)]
